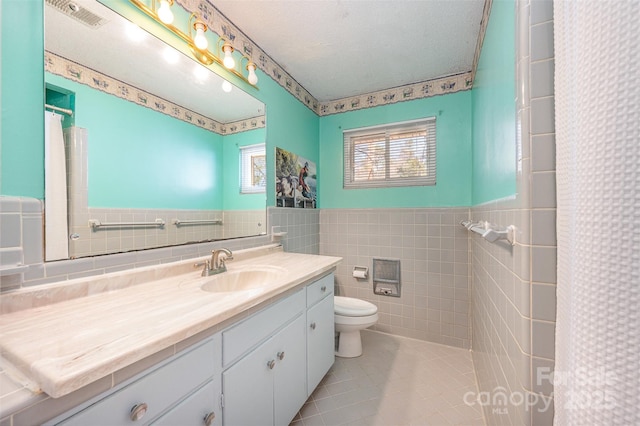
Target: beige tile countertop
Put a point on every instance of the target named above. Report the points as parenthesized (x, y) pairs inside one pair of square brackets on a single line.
[(94, 327)]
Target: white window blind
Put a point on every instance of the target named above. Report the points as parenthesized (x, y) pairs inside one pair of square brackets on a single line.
[(253, 169), (400, 154)]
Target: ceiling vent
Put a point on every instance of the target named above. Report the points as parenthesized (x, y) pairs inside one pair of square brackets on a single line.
[(77, 12)]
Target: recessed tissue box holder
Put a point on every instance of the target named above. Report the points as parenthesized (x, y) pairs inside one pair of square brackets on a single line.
[(386, 277)]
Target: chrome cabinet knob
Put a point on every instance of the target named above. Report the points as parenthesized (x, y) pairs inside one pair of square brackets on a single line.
[(323, 288), (208, 419), (313, 326), (271, 364), (281, 355), (138, 411)]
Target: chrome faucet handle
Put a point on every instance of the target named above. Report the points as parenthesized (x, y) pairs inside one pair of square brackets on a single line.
[(221, 262), (206, 269)]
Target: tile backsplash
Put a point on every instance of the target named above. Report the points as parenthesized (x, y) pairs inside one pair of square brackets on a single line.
[(21, 221), (302, 227), (433, 250), (21, 236)]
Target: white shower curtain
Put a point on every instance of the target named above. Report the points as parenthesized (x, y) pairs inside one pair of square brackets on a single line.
[(597, 83), (55, 200)]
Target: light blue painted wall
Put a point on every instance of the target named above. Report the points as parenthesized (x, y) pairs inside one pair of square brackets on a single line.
[(494, 109), (140, 158), (22, 88), (232, 198), (290, 125), (453, 134)]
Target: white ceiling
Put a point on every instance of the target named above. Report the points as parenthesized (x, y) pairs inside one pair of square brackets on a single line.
[(341, 48)]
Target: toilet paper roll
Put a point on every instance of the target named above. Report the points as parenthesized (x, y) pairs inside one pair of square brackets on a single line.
[(360, 273)]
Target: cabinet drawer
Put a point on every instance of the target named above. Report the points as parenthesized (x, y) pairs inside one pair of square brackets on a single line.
[(159, 390), (319, 290), (245, 335), (202, 404)]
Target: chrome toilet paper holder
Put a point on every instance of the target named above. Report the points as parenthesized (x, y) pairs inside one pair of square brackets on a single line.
[(360, 272)]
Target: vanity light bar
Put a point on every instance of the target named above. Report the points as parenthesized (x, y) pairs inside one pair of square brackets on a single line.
[(202, 55)]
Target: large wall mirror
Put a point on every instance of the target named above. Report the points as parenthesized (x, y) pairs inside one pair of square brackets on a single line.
[(152, 141)]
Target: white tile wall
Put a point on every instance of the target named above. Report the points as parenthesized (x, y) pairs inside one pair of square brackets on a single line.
[(21, 241), (434, 255), (513, 299), (302, 227)]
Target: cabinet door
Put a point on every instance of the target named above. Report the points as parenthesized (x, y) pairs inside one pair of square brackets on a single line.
[(320, 342), (289, 373), (201, 408), (247, 387)]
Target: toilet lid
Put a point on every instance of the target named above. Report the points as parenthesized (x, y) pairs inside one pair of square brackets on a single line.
[(350, 307)]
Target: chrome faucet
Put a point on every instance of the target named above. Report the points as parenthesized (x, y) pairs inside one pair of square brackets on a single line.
[(217, 262), (216, 265)]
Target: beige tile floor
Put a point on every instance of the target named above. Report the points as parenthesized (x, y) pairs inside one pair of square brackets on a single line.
[(396, 381)]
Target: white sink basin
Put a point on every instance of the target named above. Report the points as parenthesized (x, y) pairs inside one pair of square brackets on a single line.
[(243, 279)]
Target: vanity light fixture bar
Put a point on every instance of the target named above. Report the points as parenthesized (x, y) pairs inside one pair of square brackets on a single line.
[(178, 222), (58, 109), (95, 224), (203, 55)]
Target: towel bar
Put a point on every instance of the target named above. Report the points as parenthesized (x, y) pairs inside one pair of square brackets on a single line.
[(490, 232), (95, 224), (178, 222)]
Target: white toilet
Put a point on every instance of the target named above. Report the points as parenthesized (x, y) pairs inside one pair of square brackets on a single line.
[(352, 315)]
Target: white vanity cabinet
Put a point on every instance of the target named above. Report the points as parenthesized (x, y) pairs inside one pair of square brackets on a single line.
[(320, 331), (259, 371), (266, 385), (276, 358), (186, 388)]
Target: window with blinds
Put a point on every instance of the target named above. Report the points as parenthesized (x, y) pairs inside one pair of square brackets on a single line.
[(400, 154), (253, 169)]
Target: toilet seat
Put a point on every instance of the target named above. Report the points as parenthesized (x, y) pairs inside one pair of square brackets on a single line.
[(350, 307)]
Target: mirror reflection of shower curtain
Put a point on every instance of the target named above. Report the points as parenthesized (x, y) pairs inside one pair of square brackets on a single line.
[(55, 200)]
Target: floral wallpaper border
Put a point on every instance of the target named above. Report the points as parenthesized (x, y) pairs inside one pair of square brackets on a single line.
[(219, 24), (409, 92), (81, 74)]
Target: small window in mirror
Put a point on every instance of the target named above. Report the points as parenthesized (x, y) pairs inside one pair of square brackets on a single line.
[(253, 169)]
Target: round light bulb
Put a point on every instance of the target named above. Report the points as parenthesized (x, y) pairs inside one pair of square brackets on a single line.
[(201, 73), (200, 40), (135, 33), (226, 86), (253, 78), (228, 60), (171, 55), (164, 12)]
